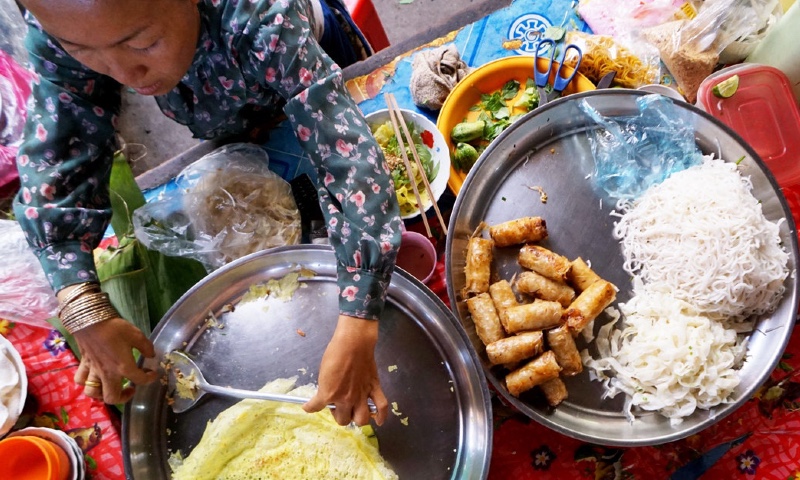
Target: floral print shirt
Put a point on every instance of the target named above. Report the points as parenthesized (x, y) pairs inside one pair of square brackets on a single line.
[(255, 59)]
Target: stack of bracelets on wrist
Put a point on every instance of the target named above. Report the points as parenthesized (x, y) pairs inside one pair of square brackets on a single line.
[(84, 306)]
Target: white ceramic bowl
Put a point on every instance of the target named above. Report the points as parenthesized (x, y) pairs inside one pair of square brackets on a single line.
[(440, 152)]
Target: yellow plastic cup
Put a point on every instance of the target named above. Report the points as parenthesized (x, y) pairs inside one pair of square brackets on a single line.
[(28, 457)]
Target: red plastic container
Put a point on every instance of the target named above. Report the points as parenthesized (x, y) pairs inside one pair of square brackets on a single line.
[(763, 111)]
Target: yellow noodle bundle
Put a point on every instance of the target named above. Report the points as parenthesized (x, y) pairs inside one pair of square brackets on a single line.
[(602, 55)]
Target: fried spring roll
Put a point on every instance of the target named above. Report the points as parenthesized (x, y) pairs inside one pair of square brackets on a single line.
[(581, 275), (563, 346), (541, 369), (516, 348), (484, 316), (588, 305), (478, 267), (546, 289), (502, 295), (521, 230), (539, 315), (554, 391), (544, 262)]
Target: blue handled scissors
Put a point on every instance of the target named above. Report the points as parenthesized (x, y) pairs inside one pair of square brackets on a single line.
[(542, 78)]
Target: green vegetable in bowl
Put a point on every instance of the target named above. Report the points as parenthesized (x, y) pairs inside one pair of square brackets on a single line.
[(384, 134), (530, 97), (464, 156), (497, 111), (466, 131)]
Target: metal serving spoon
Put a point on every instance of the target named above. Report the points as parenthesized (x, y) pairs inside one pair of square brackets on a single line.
[(182, 369)]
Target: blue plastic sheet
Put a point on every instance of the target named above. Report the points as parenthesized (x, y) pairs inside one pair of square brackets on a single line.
[(635, 152)]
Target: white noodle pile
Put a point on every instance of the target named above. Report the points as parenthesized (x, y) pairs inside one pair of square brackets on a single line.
[(702, 236), (667, 357)]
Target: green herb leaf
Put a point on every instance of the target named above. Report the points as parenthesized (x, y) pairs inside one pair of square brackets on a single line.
[(555, 33), (502, 113), (510, 90), (494, 103)]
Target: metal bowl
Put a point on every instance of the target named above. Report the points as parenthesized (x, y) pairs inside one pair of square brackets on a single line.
[(550, 148), (437, 384)]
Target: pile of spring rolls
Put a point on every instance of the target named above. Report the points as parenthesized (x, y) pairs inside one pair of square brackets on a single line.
[(533, 340)]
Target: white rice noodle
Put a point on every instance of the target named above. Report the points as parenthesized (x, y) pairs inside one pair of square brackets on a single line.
[(666, 357), (702, 236)]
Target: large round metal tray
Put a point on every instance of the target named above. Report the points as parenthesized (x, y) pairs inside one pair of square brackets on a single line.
[(437, 384), (550, 148)]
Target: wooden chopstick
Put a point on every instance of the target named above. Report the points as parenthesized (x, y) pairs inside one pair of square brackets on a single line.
[(399, 113), (399, 134)]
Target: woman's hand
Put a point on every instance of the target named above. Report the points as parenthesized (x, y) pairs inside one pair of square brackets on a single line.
[(348, 375), (107, 359)]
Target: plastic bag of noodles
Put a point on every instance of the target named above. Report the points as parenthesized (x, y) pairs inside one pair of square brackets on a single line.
[(226, 205)]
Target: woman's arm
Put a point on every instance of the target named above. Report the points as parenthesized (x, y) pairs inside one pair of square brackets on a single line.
[(63, 206), (276, 48), (65, 161)]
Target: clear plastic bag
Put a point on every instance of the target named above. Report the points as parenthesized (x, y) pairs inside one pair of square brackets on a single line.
[(633, 153), (226, 205), (25, 294), (12, 30), (691, 48), (15, 87), (619, 18)]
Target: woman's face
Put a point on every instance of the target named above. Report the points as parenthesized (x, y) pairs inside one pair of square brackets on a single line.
[(147, 45)]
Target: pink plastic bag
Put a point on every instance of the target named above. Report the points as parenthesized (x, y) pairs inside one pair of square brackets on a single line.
[(15, 87), (620, 18), (25, 295)]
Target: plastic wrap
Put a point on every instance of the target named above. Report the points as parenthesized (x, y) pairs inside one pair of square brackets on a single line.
[(25, 294), (12, 30), (226, 205), (619, 18), (633, 153), (15, 87), (691, 48)]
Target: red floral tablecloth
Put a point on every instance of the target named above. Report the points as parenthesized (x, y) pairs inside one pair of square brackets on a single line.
[(55, 401), (761, 440)]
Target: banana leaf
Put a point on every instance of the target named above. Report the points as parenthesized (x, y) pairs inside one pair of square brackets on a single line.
[(139, 280), (124, 279)]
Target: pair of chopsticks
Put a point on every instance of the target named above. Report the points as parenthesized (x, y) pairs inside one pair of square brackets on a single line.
[(401, 132)]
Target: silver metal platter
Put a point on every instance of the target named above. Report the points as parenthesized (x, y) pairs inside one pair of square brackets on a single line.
[(550, 148), (437, 385)]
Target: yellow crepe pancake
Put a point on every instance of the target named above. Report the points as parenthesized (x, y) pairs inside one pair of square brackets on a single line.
[(257, 439)]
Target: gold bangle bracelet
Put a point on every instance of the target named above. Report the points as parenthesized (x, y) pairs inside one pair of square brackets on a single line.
[(88, 309), (85, 300), (78, 323), (78, 308), (77, 314), (77, 292)]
